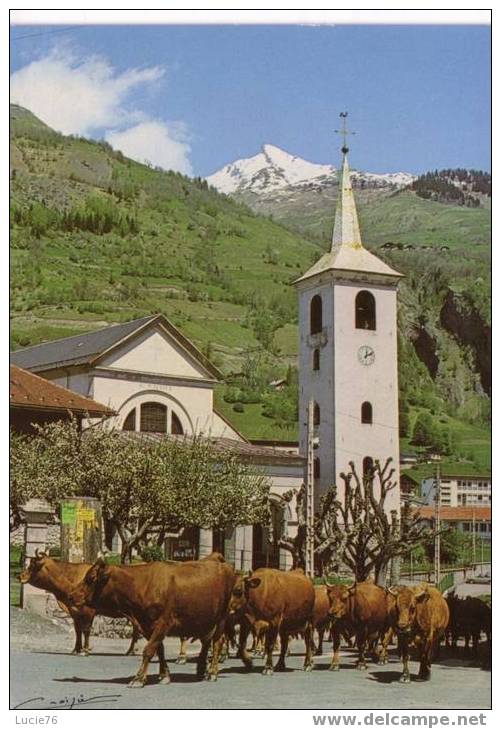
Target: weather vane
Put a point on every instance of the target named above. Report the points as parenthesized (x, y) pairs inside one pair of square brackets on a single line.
[(344, 132)]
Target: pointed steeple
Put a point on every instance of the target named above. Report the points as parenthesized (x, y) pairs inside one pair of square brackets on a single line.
[(346, 229), (347, 254)]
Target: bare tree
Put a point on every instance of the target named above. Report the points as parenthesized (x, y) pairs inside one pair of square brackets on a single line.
[(358, 532)]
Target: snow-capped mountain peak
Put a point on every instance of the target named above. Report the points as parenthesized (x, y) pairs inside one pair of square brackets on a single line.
[(275, 169)]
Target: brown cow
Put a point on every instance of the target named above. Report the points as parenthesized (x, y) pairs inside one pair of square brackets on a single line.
[(184, 599), (361, 610), (60, 578), (421, 618), (469, 617), (284, 601)]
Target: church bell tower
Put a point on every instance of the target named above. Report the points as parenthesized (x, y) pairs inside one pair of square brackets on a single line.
[(348, 352)]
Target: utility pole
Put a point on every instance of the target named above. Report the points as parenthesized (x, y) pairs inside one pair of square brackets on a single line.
[(310, 502), (437, 526), (474, 528)]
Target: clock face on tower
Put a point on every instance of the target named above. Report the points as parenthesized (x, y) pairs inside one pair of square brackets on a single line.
[(366, 355)]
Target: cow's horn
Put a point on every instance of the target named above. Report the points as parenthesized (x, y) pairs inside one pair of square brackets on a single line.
[(36, 553), (326, 581)]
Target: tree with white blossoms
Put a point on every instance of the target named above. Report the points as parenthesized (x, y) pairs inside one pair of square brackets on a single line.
[(146, 486)]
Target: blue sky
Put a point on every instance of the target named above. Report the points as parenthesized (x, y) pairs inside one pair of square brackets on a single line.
[(197, 97)]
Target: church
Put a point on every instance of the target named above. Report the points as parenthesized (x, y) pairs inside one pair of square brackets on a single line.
[(157, 381)]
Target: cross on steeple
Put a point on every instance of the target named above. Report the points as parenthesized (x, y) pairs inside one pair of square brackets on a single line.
[(344, 132)]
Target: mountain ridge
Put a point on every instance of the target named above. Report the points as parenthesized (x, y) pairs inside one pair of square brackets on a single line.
[(275, 169)]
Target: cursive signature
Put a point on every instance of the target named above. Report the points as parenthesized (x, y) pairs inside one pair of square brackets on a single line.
[(68, 702)]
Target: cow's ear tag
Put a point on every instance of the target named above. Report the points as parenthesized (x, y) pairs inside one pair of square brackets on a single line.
[(253, 583)]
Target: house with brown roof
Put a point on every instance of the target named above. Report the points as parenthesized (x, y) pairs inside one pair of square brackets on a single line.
[(466, 519), (36, 401)]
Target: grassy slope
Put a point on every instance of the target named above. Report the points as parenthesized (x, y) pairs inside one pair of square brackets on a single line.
[(200, 258)]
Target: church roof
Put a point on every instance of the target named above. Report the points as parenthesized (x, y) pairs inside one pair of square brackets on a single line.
[(347, 252), (243, 450), (86, 348)]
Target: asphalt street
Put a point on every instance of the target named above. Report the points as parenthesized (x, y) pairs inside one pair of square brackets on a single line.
[(50, 678)]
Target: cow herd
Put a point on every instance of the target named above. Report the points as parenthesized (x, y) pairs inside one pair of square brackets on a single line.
[(206, 600)]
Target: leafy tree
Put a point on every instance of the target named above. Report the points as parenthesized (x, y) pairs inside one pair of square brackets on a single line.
[(424, 433), (452, 547), (146, 489)]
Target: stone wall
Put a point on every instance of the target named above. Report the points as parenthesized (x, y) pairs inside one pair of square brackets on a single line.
[(53, 536)]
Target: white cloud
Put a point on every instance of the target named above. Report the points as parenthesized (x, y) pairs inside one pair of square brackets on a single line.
[(156, 142), (77, 96)]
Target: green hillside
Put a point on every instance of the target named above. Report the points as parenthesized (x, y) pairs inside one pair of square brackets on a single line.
[(97, 238)]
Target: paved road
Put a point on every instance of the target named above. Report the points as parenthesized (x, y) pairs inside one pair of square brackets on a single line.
[(464, 589), (56, 676)]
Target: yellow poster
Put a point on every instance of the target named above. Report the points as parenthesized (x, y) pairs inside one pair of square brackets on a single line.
[(84, 517)]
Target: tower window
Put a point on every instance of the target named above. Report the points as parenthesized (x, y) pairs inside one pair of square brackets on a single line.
[(366, 412), (130, 421), (316, 360), (365, 311), (316, 468), (153, 417), (176, 426), (368, 467), (316, 314), (316, 414)]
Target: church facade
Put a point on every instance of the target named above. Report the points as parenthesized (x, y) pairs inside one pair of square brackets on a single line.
[(156, 381)]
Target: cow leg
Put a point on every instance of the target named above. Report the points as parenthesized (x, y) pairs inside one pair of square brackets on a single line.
[(135, 637), (308, 642), (319, 650), (284, 644), (336, 642), (361, 645), (156, 636), (403, 645), (383, 655), (271, 636), (202, 658), (77, 648), (181, 659), (86, 646), (217, 647), (163, 669), (242, 645), (466, 643), (425, 660)]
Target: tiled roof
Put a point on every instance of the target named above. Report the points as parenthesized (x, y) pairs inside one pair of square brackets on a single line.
[(457, 513), (31, 391), (246, 451), (84, 348)]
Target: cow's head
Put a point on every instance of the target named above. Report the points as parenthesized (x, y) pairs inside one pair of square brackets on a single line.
[(339, 596), (38, 570), (94, 579), (240, 593), (407, 600)]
